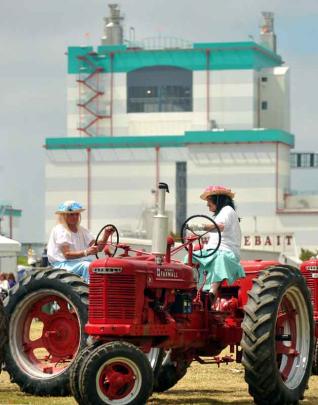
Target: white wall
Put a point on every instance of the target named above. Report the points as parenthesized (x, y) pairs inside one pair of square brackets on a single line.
[(275, 91)]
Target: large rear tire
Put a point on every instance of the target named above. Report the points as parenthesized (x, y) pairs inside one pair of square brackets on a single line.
[(47, 312), (277, 338), (116, 373), (3, 334), (315, 359)]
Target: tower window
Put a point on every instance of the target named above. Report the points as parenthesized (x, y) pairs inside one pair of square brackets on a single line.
[(159, 89), (264, 79), (264, 105)]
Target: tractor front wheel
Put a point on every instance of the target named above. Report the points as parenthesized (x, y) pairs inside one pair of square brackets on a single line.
[(46, 312), (155, 357), (277, 338), (116, 372)]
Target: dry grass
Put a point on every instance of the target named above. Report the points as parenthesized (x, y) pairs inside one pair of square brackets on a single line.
[(203, 385)]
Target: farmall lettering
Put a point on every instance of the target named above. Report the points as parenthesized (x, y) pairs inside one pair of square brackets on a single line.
[(166, 273)]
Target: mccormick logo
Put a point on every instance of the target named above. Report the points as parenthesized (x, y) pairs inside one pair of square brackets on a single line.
[(166, 273), (312, 268), (107, 270)]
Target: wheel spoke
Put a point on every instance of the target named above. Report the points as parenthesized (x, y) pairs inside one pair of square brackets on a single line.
[(34, 344), (286, 350), (286, 331), (43, 317), (288, 315)]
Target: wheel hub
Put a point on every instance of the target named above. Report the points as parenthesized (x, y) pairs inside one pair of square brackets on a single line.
[(117, 380), (61, 335)]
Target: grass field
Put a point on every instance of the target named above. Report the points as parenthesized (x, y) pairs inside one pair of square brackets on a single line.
[(203, 385)]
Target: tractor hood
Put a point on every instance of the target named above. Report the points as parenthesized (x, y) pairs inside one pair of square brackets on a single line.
[(165, 275)]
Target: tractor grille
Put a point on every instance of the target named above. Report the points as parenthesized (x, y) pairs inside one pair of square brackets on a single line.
[(311, 285), (112, 297), (121, 297)]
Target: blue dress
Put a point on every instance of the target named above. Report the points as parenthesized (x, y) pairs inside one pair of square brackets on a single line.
[(223, 265), (77, 266)]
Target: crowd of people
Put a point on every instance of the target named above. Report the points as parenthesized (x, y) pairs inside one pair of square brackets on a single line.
[(7, 281)]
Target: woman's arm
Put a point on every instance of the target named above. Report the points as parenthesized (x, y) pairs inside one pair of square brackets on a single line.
[(70, 255), (212, 227)]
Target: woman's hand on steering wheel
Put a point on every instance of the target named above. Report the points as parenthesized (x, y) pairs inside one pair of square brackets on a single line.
[(194, 228), (109, 241)]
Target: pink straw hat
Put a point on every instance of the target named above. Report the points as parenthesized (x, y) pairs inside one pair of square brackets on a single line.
[(216, 190)]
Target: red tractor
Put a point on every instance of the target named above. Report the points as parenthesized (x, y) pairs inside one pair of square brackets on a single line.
[(149, 318)]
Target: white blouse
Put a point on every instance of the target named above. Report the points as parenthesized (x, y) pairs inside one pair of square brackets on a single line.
[(60, 236), (231, 235)]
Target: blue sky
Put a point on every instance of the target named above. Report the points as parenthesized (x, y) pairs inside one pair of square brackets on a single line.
[(35, 35)]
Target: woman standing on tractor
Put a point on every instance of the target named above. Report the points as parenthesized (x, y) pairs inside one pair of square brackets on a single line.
[(225, 263), (70, 245)]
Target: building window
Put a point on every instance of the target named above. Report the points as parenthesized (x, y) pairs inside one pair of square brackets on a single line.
[(264, 105), (159, 89), (304, 160), (293, 160), (264, 79)]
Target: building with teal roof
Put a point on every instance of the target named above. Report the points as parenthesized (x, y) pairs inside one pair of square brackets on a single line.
[(186, 114)]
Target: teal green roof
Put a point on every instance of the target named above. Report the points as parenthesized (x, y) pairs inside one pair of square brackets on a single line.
[(189, 138), (221, 56), (8, 211)]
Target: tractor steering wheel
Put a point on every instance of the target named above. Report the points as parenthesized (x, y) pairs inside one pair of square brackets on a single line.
[(112, 241), (194, 226)]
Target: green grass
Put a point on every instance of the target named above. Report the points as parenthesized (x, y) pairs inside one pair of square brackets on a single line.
[(203, 385), (22, 260)]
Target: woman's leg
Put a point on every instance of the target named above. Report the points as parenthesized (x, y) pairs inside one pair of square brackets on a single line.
[(77, 267), (213, 292), (82, 270), (214, 288)]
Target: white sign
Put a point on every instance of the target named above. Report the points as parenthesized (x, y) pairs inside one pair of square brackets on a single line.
[(275, 242)]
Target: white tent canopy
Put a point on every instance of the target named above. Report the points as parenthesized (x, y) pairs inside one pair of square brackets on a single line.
[(9, 250), (9, 245)]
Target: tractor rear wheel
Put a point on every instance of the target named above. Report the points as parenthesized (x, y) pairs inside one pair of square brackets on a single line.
[(116, 372), (277, 338), (315, 359), (3, 334), (47, 312)]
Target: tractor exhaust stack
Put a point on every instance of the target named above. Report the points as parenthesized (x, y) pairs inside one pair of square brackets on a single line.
[(160, 225)]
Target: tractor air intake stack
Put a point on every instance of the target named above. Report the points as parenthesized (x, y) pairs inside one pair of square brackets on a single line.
[(160, 225)]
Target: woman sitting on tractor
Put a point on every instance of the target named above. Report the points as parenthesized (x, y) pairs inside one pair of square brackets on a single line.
[(225, 263), (70, 245)]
